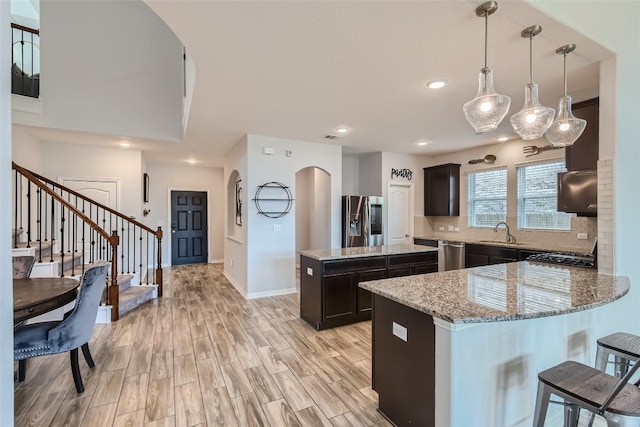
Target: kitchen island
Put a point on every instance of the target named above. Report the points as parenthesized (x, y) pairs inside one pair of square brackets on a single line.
[(329, 292), (463, 347)]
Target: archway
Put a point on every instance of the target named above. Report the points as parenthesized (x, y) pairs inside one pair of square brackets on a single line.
[(313, 209)]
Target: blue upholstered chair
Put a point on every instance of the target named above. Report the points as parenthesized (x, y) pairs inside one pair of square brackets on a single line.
[(39, 339)]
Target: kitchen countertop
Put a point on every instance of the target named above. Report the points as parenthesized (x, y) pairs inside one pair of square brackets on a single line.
[(503, 244), (502, 292), (366, 251)]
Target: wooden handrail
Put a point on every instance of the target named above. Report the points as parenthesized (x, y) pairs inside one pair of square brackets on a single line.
[(113, 240), (23, 28), (83, 197)]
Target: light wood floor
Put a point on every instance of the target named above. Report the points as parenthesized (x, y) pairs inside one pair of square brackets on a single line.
[(203, 355)]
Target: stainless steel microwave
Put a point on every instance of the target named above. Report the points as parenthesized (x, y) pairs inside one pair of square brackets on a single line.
[(578, 192)]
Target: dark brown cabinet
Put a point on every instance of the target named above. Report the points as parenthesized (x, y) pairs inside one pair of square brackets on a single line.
[(479, 255), (583, 154), (329, 291), (442, 190)]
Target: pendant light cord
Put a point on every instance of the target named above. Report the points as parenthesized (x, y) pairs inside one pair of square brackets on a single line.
[(565, 73), (486, 31), (530, 58)]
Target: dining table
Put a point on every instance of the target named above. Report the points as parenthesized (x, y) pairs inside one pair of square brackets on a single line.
[(38, 295)]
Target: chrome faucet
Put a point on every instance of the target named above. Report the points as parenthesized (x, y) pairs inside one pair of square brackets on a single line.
[(510, 237)]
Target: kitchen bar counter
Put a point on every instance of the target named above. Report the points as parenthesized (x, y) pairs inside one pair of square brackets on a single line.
[(366, 251), (479, 337), (500, 242), (493, 293), (329, 292)]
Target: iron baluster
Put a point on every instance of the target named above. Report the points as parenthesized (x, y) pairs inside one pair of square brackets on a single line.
[(15, 205), (39, 223), (53, 229), (28, 215), (62, 221)]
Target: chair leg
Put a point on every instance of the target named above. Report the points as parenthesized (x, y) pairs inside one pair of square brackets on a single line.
[(602, 357), (22, 369), (87, 355), (571, 415), (542, 403), (75, 370)]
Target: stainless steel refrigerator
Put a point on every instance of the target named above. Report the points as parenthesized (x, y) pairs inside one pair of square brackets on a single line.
[(362, 221)]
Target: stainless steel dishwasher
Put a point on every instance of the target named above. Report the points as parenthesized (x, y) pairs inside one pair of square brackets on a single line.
[(450, 255)]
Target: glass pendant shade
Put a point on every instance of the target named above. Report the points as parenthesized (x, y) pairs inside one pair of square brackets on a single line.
[(485, 112), (534, 119), (566, 128)]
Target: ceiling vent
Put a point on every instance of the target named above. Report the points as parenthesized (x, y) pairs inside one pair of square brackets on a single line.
[(330, 136)]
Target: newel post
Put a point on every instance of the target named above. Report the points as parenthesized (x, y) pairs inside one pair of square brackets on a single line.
[(159, 260), (114, 291)]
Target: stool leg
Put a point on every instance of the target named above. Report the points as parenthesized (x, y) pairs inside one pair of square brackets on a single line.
[(571, 415), (622, 366), (602, 356), (542, 403)]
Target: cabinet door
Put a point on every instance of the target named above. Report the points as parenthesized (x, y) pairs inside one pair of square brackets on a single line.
[(442, 190), (426, 268), (583, 154), (501, 259), (401, 271), (364, 296), (339, 296), (475, 260)]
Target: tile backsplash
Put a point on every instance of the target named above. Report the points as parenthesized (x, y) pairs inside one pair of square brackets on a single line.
[(429, 227)]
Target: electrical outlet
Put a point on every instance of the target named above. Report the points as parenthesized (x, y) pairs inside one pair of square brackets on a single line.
[(231, 262), (583, 236), (456, 229), (441, 228), (450, 228), (400, 331), (276, 227), (309, 271)]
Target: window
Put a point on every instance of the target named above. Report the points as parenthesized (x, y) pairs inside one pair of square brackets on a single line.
[(538, 197), (487, 197)]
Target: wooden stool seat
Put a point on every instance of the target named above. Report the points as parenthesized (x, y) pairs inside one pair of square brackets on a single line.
[(623, 346), (584, 387)]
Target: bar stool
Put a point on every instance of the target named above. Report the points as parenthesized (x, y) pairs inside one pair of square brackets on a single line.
[(584, 387), (624, 347)]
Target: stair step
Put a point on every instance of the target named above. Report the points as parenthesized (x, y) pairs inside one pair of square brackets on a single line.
[(16, 232), (135, 296)]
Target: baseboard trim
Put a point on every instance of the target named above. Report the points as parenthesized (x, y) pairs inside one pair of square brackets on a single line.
[(277, 292), (104, 314), (235, 284)]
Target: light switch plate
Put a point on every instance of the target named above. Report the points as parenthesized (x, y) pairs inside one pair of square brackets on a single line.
[(400, 331), (450, 228), (309, 271), (441, 228), (583, 236)]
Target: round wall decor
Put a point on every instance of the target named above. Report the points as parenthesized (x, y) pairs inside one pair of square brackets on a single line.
[(273, 199)]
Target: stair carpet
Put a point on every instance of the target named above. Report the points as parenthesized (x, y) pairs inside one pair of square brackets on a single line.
[(131, 295)]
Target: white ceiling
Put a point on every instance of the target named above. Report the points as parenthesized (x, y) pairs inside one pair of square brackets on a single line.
[(299, 69)]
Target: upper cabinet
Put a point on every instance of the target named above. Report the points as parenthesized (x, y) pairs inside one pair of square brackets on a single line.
[(442, 190), (583, 154)]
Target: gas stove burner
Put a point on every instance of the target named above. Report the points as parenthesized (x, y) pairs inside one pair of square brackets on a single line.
[(565, 258)]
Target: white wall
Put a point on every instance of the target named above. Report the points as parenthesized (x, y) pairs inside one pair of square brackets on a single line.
[(370, 176), (109, 76), (235, 247), (72, 160), (304, 199), (271, 254), (165, 178), (312, 209), (350, 175), (6, 302), (26, 149)]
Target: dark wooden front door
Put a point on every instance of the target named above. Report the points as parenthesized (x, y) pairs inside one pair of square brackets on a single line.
[(188, 227)]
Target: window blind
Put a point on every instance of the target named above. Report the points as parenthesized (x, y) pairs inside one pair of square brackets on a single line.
[(487, 197), (538, 197)]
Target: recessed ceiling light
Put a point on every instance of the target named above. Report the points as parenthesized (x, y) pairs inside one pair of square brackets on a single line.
[(124, 144), (342, 130), (436, 84), (191, 161), (422, 143), (502, 138)]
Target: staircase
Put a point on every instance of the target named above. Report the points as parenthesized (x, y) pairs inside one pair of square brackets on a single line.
[(60, 227)]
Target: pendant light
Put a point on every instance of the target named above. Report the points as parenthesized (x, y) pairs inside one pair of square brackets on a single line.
[(566, 128), (485, 112), (534, 119)]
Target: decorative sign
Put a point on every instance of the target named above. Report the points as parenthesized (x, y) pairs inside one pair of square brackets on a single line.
[(401, 173)]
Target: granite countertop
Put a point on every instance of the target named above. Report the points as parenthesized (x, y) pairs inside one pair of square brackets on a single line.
[(365, 251), (501, 292), (503, 244)]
